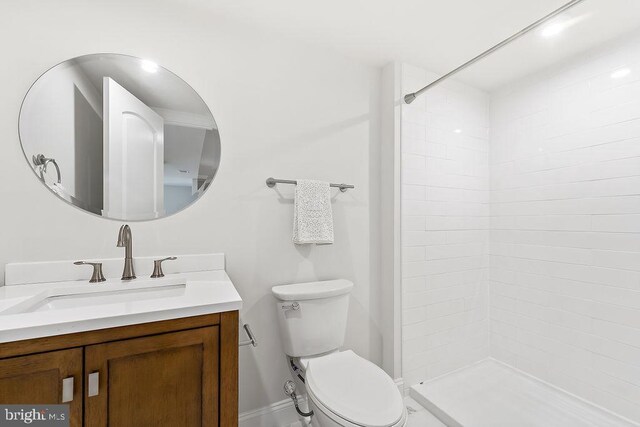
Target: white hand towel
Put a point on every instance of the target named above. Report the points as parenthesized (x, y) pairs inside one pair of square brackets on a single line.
[(312, 216)]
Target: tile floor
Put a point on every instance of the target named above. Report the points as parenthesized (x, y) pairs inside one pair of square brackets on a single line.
[(420, 417)]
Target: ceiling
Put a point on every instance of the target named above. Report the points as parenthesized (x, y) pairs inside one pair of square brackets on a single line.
[(434, 34)]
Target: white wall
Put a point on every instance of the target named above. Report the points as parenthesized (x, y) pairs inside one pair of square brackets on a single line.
[(565, 227), (283, 109), (445, 227)]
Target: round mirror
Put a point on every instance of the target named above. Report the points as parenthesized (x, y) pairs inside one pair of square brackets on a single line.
[(119, 137)]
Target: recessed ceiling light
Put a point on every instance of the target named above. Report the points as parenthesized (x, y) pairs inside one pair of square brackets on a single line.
[(457, 131), (149, 66), (622, 72), (553, 29)]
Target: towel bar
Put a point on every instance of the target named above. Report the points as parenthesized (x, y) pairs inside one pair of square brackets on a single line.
[(252, 339), (42, 161), (271, 182)]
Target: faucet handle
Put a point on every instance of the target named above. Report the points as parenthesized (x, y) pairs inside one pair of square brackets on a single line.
[(97, 275), (157, 266)]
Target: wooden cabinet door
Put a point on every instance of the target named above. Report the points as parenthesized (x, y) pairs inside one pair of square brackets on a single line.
[(38, 379), (161, 380)]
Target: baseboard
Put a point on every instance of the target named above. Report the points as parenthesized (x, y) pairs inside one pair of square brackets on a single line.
[(279, 414), (283, 413), (400, 384)]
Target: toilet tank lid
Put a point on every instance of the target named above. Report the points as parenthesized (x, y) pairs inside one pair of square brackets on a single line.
[(312, 290)]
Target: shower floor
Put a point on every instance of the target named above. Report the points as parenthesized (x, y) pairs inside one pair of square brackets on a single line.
[(491, 394)]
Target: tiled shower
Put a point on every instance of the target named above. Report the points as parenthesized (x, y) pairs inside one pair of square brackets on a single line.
[(521, 226)]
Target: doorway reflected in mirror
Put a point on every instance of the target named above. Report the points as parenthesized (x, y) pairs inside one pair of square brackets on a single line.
[(129, 139)]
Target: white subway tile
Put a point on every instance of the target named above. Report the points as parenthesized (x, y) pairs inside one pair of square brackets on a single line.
[(522, 232)]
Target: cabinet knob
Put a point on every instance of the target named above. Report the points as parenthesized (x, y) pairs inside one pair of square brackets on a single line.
[(157, 266), (94, 384), (67, 390)]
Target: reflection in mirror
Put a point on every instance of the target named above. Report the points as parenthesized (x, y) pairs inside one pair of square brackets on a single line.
[(119, 136)]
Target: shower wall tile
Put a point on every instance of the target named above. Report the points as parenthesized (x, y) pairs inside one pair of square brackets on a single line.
[(565, 227), (445, 223)]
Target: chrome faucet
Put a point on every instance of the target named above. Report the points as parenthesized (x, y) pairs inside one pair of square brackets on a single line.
[(124, 241)]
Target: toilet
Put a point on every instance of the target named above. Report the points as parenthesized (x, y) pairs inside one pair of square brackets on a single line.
[(343, 388)]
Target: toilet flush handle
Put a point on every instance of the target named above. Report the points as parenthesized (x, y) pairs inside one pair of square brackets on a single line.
[(293, 306)]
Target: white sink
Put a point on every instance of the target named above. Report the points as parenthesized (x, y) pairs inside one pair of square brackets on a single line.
[(95, 295)]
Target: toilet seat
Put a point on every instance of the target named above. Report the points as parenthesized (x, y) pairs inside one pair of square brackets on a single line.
[(353, 389), (338, 421)]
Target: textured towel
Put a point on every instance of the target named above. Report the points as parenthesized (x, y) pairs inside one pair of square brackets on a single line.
[(312, 217)]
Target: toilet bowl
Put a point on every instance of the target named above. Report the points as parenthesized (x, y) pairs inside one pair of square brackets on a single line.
[(343, 389)]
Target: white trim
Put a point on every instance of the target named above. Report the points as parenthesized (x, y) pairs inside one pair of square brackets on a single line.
[(181, 118), (283, 413), (390, 215), (400, 384), (278, 414)]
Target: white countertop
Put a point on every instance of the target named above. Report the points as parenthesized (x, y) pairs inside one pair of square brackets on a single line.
[(196, 293)]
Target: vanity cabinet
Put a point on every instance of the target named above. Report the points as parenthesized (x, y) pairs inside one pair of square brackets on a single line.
[(181, 372)]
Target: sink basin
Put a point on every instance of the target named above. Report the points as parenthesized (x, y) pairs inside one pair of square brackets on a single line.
[(53, 298), (61, 299)]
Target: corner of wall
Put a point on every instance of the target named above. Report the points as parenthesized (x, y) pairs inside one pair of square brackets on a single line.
[(390, 218)]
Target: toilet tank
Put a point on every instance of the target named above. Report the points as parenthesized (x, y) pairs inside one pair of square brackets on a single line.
[(312, 316)]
